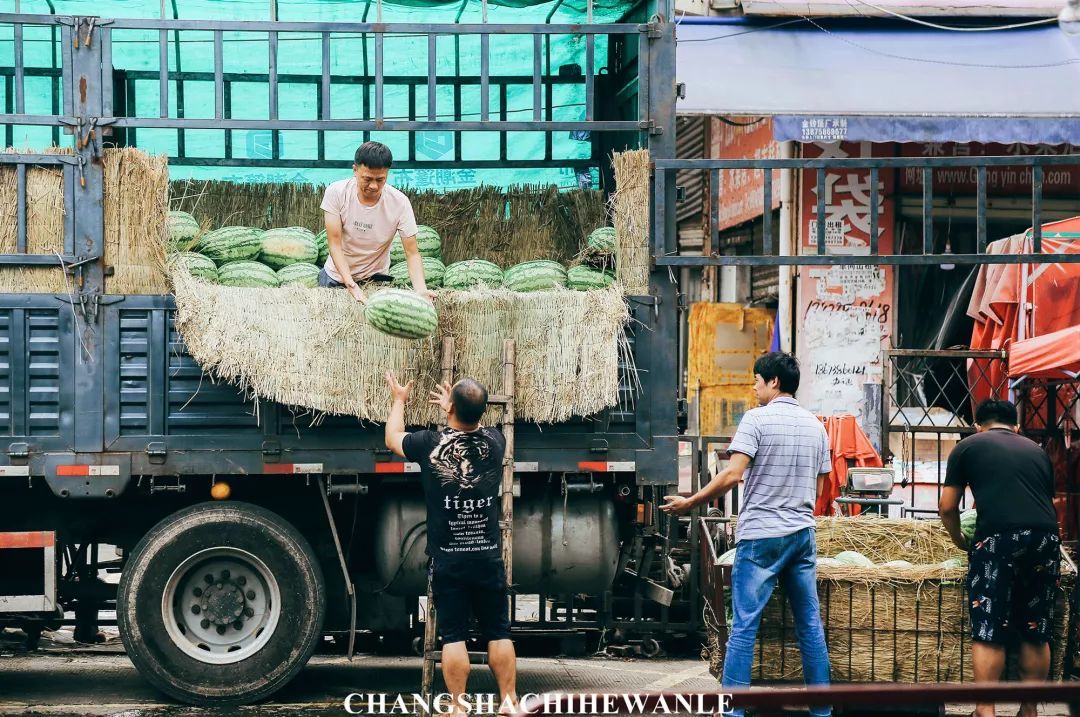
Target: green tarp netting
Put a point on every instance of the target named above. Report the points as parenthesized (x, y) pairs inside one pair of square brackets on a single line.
[(352, 58)]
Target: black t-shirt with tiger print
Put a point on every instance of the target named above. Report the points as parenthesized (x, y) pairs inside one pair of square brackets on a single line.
[(461, 473)]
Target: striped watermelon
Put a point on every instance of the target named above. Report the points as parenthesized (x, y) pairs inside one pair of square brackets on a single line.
[(324, 247), (602, 240), (472, 272), (197, 265), (301, 273), (183, 230), (434, 271), (247, 274), (428, 243), (291, 245), (584, 278), (230, 244), (535, 276), (402, 313)]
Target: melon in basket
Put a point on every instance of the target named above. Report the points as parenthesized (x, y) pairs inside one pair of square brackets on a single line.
[(897, 564), (855, 559), (967, 524)]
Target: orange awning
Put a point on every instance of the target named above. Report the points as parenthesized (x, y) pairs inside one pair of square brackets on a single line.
[(1053, 356)]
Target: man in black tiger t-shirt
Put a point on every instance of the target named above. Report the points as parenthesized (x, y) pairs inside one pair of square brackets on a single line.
[(461, 471)]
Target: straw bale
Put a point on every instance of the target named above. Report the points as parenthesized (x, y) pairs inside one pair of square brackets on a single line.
[(313, 348), (136, 205), (506, 226), (44, 227), (630, 209)]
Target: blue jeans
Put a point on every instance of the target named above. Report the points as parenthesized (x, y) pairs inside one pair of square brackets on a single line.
[(758, 565)]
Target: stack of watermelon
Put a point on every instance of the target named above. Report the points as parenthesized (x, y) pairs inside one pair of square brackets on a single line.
[(249, 257), (246, 256), (597, 261)]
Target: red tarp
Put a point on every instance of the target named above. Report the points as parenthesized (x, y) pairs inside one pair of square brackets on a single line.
[(1053, 356), (847, 442), (1051, 290)]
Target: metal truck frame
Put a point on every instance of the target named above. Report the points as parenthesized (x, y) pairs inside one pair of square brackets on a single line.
[(115, 437)]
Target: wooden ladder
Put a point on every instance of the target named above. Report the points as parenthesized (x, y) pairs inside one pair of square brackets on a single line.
[(505, 400)]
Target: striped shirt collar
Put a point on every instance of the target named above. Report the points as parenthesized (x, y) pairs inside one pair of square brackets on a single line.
[(784, 399)]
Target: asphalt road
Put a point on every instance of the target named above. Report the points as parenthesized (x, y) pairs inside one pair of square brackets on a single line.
[(67, 679)]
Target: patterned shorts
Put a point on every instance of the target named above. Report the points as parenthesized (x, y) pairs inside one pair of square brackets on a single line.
[(1012, 584)]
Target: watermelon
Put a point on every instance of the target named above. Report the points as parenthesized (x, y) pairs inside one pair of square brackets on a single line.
[(434, 272), (428, 243), (896, 564), (854, 559), (830, 563), (584, 278), (967, 524), (472, 272), (324, 247), (535, 276), (230, 244), (301, 273), (291, 245), (247, 274), (197, 265), (727, 558), (602, 240), (402, 313), (183, 230)]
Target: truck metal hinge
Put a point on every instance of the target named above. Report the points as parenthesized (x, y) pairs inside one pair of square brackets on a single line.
[(652, 29), (156, 452), (271, 448), (18, 450), (650, 126)]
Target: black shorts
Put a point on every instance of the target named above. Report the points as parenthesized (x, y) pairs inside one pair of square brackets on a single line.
[(469, 589), (1013, 586), (326, 282)]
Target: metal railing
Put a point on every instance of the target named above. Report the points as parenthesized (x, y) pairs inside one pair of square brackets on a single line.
[(665, 252), (774, 702)]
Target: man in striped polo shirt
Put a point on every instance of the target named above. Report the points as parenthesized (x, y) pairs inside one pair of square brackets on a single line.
[(784, 452)]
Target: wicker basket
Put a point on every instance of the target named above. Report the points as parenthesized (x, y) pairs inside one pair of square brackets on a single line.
[(877, 630)]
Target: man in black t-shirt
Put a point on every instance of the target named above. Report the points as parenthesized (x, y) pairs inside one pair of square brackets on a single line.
[(1015, 561), (461, 470)]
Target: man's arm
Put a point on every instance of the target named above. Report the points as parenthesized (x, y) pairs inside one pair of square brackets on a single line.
[(821, 485), (949, 510), (951, 495), (337, 254), (395, 423), (416, 266), (720, 484)]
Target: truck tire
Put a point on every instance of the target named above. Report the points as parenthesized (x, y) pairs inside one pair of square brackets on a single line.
[(221, 604)]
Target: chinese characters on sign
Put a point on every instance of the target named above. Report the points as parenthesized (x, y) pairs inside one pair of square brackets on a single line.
[(742, 195), (824, 129), (1057, 180), (845, 312)]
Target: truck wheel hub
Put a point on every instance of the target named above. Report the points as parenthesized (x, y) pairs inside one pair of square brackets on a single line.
[(223, 603)]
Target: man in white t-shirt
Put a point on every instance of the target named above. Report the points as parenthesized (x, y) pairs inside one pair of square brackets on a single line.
[(363, 213)]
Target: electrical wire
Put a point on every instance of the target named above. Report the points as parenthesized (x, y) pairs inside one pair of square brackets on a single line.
[(733, 123), (954, 28), (951, 63), (743, 32)]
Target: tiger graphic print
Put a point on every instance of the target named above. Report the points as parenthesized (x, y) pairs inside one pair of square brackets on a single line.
[(464, 461)]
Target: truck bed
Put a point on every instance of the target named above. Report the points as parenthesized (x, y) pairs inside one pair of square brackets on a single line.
[(133, 397)]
